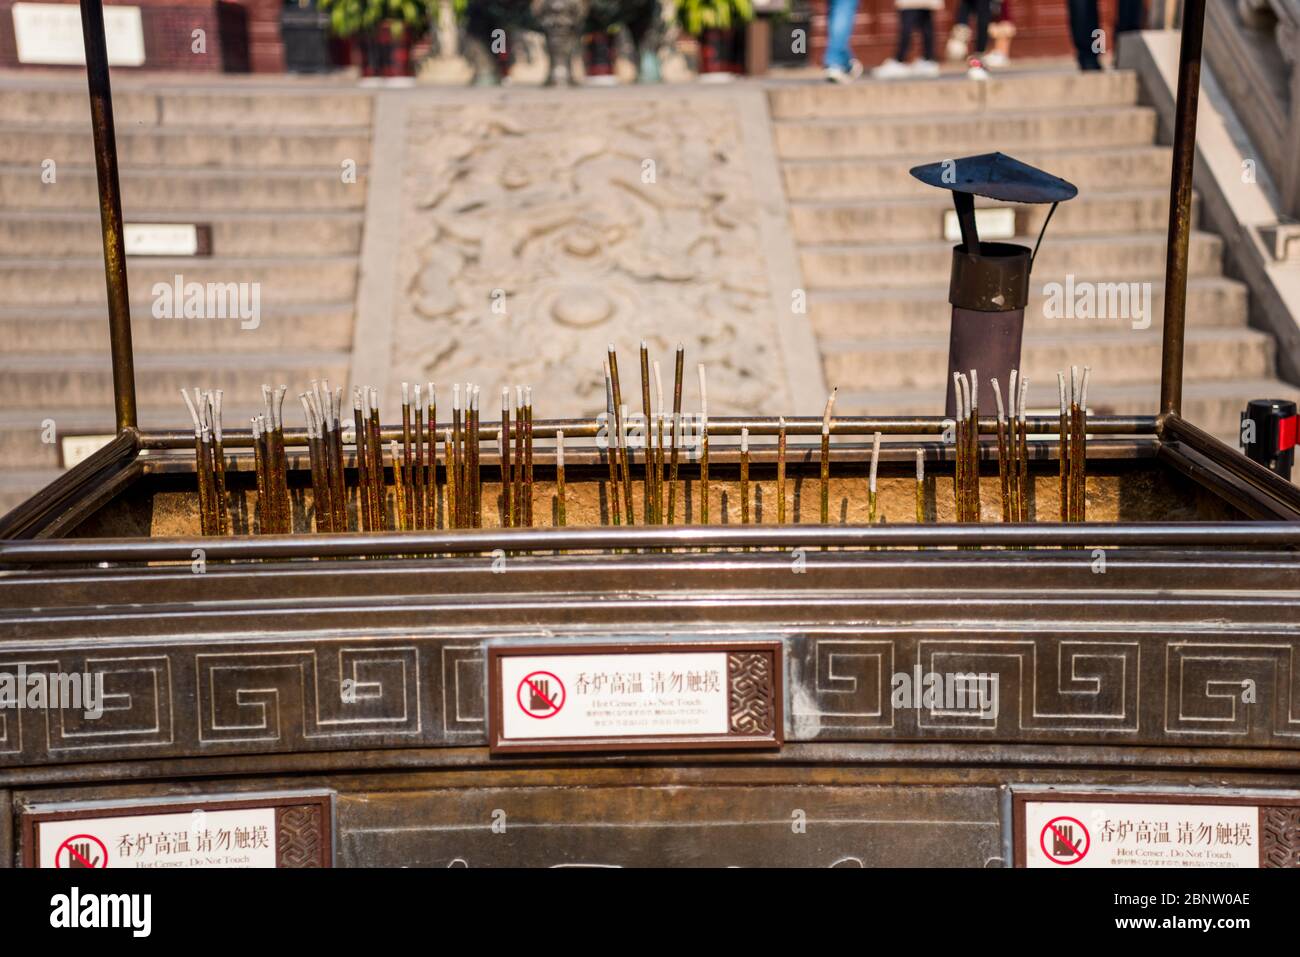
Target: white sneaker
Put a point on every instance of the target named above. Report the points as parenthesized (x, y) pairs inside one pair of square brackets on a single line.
[(994, 60), (835, 74), (925, 68), (976, 71), (891, 69)]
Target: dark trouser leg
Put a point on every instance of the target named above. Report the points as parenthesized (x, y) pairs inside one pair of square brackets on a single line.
[(927, 33), (983, 14), (908, 21), (1083, 24)]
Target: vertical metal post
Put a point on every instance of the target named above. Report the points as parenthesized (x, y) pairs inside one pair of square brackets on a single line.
[(110, 213), (1180, 207)]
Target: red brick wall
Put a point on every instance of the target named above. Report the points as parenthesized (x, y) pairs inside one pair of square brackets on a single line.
[(241, 36)]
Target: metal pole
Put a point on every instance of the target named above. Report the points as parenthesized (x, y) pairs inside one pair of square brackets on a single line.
[(110, 212), (1180, 208)]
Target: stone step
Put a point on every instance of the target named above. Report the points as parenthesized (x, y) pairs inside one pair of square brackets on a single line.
[(832, 221), (189, 190), (952, 135), (832, 266), (63, 233), (1116, 358), (27, 330), (1129, 167), (58, 282), (178, 147), (17, 486), (44, 382), (954, 94), (890, 314), (1214, 406), (273, 107)]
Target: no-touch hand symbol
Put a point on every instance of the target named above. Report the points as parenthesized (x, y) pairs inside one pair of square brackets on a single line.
[(541, 695), (81, 850), (1069, 840)]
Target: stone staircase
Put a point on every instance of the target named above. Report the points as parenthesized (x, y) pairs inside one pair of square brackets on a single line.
[(261, 164), (871, 245)]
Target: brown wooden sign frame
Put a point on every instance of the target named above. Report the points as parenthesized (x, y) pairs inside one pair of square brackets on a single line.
[(319, 804), (1286, 802), (770, 734)]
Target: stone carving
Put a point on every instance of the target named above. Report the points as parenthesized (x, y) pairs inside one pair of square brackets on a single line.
[(540, 230)]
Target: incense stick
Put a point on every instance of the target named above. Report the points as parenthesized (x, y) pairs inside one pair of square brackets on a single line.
[(528, 456), (521, 507), (620, 416), (559, 479), (678, 374), (744, 476), (407, 493), (780, 472), (1023, 480), (219, 460), (826, 459), (433, 518), (871, 483), (660, 509), (973, 449), (959, 447), (920, 487), (611, 446), (507, 499), (1064, 454), (1003, 483), (647, 482), (418, 479), (704, 447)]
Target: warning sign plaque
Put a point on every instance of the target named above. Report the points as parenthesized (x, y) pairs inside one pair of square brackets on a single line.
[(1057, 830), (635, 696), (245, 831)]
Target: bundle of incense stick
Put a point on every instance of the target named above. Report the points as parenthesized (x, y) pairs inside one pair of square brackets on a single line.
[(210, 460), (1013, 450), (1073, 445), (270, 462), (659, 490), (966, 484)]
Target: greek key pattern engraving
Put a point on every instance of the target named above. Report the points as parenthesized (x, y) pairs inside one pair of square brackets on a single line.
[(1244, 690), (355, 692), (298, 836), (82, 702), (750, 693), (282, 697), (1279, 836)]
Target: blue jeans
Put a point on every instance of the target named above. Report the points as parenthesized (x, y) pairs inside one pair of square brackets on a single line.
[(839, 29)]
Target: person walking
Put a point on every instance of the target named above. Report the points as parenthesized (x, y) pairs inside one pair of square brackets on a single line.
[(914, 16), (841, 66), (1085, 25)]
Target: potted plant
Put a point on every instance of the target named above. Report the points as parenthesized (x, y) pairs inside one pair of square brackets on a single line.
[(306, 34), (713, 23), (382, 31)]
